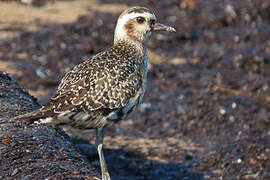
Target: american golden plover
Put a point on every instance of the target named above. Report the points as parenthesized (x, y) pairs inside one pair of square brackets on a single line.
[(107, 87)]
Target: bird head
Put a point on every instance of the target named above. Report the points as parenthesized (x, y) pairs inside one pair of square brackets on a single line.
[(136, 24)]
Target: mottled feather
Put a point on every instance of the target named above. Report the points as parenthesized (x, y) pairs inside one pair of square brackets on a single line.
[(107, 87), (100, 85), (108, 80)]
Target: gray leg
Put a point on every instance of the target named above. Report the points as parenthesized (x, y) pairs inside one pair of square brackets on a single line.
[(99, 144)]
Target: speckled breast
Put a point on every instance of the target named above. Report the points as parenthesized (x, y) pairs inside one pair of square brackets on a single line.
[(136, 99)]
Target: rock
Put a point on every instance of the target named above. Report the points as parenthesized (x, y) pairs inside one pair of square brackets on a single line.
[(36, 151), (13, 99)]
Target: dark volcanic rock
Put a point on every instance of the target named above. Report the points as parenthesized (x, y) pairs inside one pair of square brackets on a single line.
[(40, 152), (36, 151), (13, 99)]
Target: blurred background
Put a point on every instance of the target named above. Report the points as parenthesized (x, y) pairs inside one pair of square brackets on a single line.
[(206, 111)]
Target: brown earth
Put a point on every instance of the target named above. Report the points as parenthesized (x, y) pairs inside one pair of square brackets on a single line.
[(206, 112)]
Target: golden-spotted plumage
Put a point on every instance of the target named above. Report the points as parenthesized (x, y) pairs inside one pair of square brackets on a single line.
[(106, 88), (106, 83)]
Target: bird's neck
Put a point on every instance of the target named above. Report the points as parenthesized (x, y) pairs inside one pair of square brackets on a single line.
[(130, 45)]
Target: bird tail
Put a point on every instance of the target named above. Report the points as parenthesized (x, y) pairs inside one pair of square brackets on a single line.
[(31, 117)]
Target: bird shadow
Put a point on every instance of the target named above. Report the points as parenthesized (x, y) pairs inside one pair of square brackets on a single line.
[(128, 164)]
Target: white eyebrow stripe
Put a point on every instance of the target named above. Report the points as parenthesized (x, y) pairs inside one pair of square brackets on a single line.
[(133, 15), (125, 17)]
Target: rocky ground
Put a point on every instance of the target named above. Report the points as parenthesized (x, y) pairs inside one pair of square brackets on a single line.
[(206, 112)]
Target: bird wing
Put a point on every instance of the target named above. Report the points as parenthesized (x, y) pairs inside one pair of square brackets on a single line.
[(97, 83)]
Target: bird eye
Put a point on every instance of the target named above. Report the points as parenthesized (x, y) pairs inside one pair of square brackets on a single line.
[(140, 20), (152, 22)]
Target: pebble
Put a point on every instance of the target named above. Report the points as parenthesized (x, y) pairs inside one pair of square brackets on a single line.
[(232, 118), (239, 160), (14, 172), (222, 111), (233, 105), (144, 106), (181, 109), (181, 97), (40, 73), (230, 11), (178, 60), (236, 38)]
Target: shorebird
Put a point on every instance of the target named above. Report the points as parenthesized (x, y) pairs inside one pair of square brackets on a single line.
[(107, 87)]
